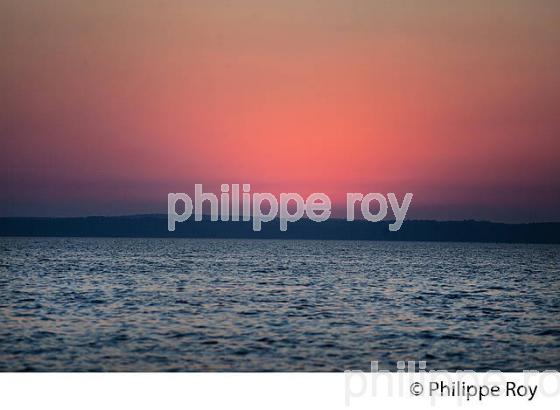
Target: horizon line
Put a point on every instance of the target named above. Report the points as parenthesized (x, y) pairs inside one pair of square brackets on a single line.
[(334, 218)]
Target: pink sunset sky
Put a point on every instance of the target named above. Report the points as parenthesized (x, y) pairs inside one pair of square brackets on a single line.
[(106, 106)]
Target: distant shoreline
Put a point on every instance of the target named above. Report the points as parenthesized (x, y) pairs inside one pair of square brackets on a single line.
[(155, 226)]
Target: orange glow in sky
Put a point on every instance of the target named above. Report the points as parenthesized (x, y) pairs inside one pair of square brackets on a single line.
[(108, 106)]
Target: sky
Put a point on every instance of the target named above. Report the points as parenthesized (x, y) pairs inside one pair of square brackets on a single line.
[(107, 106)]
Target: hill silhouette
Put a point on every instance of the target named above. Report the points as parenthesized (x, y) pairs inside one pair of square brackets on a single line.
[(156, 226)]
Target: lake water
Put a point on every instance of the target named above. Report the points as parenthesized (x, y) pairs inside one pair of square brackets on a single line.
[(86, 304)]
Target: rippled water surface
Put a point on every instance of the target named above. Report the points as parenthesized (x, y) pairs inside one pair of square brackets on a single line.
[(80, 304)]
